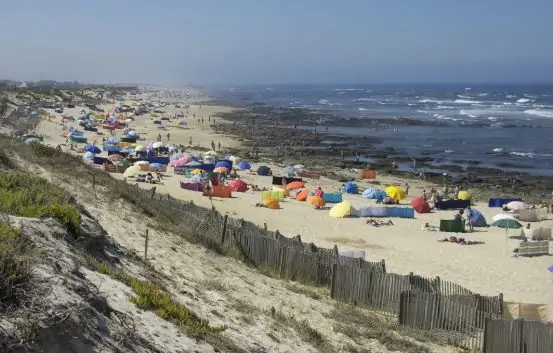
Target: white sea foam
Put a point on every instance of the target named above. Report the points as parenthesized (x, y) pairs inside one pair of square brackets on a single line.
[(510, 96), (323, 102), (492, 118), (445, 107), (498, 150), (362, 109), (523, 100), (466, 101), (464, 96), (522, 154), (449, 151), (364, 100), (430, 101), (542, 113)]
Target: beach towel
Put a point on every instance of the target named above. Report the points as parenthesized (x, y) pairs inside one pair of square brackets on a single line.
[(499, 202), (452, 226), (401, 212), (310, 175), (332, 198)]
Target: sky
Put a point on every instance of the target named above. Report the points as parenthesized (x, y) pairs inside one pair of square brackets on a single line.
[(221, 42)]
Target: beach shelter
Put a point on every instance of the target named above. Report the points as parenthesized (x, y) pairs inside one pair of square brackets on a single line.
[(131, 171), (476, 218), (222, 164), (316, 201), (271, 203), (341, 210), (92, 149), (221, 170), (516, 205), (244, 165), (373, 194), (263, 170), (302, 195), (395, 192), (463, 195), (178, 163), (525, 215), (295, 185), (196, 171), (420, 205), (238, 185), (350, 188)]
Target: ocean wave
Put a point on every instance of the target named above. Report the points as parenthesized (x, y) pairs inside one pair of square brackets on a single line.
[(445, 107), (464, 96), (498, 150), (522, 154), (363, 100), (523, 100), (426, 100), (323, 102), (362, 109), (538, 112), (466, 101), (510, 96)]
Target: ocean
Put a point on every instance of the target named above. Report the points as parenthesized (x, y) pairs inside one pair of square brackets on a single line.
[(508, 127)]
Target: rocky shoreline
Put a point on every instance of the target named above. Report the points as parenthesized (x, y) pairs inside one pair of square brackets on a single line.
[(268, 133)]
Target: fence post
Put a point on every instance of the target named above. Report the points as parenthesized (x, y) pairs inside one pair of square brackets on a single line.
[(225, 220), (146, 244), (93, 180), (500, 296), (485, 338), (437, 285), (333, 280), (402, 303), (153, 190), (265, 226), (521, 335), (383, 265)]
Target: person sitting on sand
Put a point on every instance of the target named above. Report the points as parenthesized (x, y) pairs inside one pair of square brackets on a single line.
[(319, 192), (428, 228), (150, 178), (458, 216), (378, 223), (159, 176)]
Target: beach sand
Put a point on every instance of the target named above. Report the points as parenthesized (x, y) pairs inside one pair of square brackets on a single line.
[(487, 269)]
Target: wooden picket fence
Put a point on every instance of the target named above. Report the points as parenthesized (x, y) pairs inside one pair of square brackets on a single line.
[(517, 336), (446, 309)]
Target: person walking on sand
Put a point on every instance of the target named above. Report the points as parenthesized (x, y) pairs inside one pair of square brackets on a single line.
[(168, 137), (218, 146)]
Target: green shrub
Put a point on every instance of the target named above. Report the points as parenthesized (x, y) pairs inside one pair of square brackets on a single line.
[(150, 296), (28, 196), (15, 265)]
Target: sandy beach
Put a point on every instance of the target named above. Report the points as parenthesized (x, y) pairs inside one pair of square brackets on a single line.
[(488, 268)]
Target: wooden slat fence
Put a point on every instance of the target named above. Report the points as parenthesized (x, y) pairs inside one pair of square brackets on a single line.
[(459, 319), (517, 336)]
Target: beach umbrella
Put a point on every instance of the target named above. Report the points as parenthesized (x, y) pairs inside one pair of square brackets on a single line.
[(295, 185), (341, 210), (131, 171), (516, 205), (264, 170), (420, 205), (139, 163), (178, 163), (550, 269), (88, 155), (272, 204), (302, 195), (196, 171), (373, 194), (93, 149), (505, 221), (32, 140), (140, 148), (395, 192), (193, 163), (115, 157), (157, 144), (316, 201), (244, 165), (463, 195), (155, 165), (222, 164), (221, 170), (238, 185)]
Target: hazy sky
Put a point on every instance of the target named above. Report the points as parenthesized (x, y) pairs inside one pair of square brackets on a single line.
[(277, 41)]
